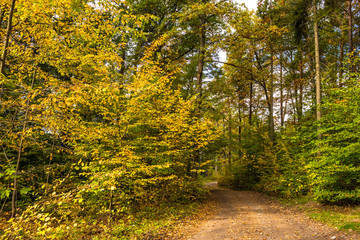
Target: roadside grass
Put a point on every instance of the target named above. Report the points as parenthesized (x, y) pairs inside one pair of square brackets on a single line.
[(165, 221), (343, 218), (160, 222), (346, 218)]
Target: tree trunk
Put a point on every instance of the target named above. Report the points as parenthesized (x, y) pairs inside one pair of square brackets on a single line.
[(317, 73), (271, 110), (301, 86), (281, 92), (286, 103), (351, 42), (7, 37), (230, 135), (199, 77), (251, 103), (350, 18), (201, 61), (295, 98), (341, 63), (240, 123)]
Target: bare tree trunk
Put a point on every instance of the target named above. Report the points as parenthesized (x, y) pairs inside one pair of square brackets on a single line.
[(342, 43), (317, 73), (286, 103), (230, 135), (296, 98), (7, 37), (301, 86), (341, 63), (271, 109), (350, 18), (251, 103), (201, 61), (240, 122), (351, 42), (294, 102), (281, 92), (271, 90)]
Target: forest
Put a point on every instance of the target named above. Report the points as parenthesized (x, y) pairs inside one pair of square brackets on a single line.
[(111, 109)]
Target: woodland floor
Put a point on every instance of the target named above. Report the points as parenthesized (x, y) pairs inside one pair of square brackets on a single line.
[(251, 215)]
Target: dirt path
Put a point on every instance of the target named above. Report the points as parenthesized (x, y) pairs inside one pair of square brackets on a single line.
[(251, 215)]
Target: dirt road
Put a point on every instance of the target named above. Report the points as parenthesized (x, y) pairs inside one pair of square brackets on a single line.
[(251, 215)]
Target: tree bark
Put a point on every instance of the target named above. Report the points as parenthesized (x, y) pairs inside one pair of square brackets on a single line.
[(301, 86), (251, 103), (201, 61), (341, 63), (317, 74), (240, 123), (351, 42), (230, 135), (271, 90), (281, 92), (7, 37), (286, 103), (350, 18)]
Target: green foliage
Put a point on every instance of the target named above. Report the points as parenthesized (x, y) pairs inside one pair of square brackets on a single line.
[(293, 153), (281, 169), (255, 165), (335, 175)]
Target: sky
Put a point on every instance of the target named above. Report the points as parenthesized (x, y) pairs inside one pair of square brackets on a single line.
[(250, 4)]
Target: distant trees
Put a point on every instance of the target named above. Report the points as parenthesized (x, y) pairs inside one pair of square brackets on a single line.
[(308, 53)]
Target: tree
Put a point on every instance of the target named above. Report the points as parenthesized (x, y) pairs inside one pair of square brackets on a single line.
[(317, 70), (7, 36)]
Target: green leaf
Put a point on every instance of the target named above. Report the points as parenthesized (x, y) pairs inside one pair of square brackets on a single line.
[(4, 193), (25, 190)]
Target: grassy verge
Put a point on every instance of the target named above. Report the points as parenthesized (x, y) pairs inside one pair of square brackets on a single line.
[(160, 222), (346, 218), (343, 218)]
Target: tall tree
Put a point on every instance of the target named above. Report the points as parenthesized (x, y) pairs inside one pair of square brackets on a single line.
[(317, 69), (7, 36)]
